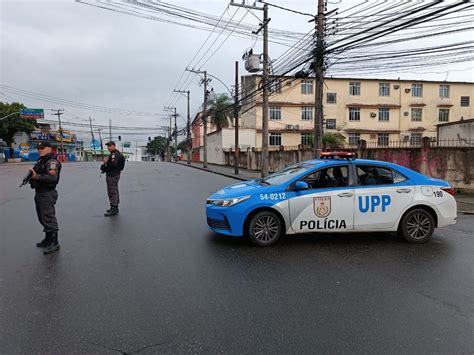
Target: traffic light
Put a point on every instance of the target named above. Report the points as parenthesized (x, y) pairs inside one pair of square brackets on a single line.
[(119, 138), (149, 139)]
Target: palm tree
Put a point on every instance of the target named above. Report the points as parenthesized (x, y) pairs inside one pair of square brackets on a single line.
[(220, 111)]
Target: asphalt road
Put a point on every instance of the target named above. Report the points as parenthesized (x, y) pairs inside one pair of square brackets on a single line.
[(155, 280)]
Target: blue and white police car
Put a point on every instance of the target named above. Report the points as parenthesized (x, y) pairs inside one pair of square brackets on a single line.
[(334, 194)]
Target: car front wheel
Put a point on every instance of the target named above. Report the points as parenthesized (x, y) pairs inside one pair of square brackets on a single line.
[(265, 228), (417, 226)]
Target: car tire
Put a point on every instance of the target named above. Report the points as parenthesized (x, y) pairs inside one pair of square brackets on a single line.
[(264, 229), (417, 226)]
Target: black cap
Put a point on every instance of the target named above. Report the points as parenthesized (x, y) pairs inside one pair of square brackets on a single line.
[(43, 145), (110, 143)]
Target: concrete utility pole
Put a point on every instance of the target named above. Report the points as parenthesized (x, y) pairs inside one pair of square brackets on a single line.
[(319, 80), (92, 135), (59, 113), (236, 120), (100, 138), (175, 115), (110, 130), (188, 126), (264, 27)]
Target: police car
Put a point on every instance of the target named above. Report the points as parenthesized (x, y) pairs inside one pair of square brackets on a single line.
[(334, 194)]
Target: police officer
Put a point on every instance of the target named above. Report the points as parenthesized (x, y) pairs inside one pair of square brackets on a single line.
[(112, 167), (45, 177)]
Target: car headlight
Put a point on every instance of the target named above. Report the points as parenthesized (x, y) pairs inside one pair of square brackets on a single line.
[(227, 202)]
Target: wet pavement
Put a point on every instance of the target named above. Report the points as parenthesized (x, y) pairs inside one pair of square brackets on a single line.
[(155, 280)]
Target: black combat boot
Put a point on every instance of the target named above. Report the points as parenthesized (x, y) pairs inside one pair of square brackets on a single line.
[(53, 245), (112, 212), (46, 240), (109, 210)]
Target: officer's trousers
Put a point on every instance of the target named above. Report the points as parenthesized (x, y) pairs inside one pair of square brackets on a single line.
[(45, 210), (112, 189)]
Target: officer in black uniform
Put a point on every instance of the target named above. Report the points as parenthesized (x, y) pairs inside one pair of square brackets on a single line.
[(112, 167), (45, 177)]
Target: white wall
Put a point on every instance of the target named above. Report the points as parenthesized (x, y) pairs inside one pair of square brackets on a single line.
[(224, 139)]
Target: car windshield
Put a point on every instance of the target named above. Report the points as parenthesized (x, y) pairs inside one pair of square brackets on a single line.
[(285, 175)]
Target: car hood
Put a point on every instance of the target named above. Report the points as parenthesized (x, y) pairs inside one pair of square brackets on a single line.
[(240, 189)]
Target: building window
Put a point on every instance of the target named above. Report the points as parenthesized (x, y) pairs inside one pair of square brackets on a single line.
[(331, 123), (417, 90), (354, 138), (443, 115), (382, 139), (416, 114), (384, 114), (331, 98), (306, 139), (354, 88), (307, 113), (275, 86), (465, 101), (384, 89), (354, 114), (275, 113), (415, 139), (444, 91), (275, 139), (306, 87)]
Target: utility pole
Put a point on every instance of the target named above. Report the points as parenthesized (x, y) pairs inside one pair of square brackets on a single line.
[(110, 130), (92, 135), (188, 128), (175, 115), (263, 27), (204, 112), (59, 113), (236, 120), (319, 78), (100, 138)]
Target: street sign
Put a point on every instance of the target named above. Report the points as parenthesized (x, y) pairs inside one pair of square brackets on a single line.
[(95, 144), (126, 144), (34, 113)]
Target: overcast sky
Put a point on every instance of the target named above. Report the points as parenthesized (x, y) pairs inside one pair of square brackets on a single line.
[(72, 51)]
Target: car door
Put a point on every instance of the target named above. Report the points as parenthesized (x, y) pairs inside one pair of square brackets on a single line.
[(327, 205), (382, 194)]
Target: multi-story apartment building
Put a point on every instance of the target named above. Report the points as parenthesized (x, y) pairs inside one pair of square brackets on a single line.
[(375, 110)]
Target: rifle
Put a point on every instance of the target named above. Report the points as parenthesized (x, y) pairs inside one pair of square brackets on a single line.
[(29, 175)]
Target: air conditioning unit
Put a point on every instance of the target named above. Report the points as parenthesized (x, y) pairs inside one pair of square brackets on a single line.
[(407, 90), (396, 87), (297, 127), (290, 126), (406, 113), (373, 114), (252, 63)]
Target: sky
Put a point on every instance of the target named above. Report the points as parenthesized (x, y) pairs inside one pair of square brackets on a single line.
[(68, 50)]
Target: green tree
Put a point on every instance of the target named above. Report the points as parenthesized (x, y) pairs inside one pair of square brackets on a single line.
[(330, 140), (183, 145), (220, 111), (13, 124), (157, 146)]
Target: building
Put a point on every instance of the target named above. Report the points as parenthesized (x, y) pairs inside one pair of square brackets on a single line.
[(376, 110), (459, 132)]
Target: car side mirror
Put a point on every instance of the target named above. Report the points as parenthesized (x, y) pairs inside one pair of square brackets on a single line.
[(301, 185)]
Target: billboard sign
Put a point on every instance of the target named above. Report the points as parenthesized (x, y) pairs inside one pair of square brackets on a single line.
[(95, 144), (32, 113)]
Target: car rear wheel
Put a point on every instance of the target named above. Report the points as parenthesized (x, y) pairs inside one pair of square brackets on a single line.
[(265, 228), (417, 226)]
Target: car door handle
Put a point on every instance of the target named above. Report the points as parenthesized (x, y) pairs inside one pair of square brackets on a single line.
[(403, 191), (345, 194)]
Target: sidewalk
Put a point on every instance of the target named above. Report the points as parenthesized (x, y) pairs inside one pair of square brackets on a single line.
[(465, 201), (227, 171)]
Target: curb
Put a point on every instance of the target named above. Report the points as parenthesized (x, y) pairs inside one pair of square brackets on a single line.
[(469, 213), (215, 172)]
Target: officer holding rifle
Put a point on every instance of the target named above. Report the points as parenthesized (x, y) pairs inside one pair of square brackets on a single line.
[(43, 178)]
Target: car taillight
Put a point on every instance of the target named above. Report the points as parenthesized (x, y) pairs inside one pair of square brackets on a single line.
[(449, 190)]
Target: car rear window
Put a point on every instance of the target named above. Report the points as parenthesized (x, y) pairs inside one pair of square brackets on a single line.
[(378, 175)]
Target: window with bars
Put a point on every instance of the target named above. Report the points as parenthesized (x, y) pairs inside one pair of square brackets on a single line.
[(415, 139), (416, 114), (383, 139), (275, 139), (306, 87), (354, 88), (306, 139), (275, 86), (354, 114), (417, 90), (330, 123), (275, 113), (465, 101), (354, 138), (384, 89), (307, 113), (444, 91), (331, 98), (443, 115), (384, 114)]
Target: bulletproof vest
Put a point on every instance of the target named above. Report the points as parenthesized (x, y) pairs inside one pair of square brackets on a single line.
[(42, 168)]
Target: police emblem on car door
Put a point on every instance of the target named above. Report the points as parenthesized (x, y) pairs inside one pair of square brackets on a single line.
[(322, 206)]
